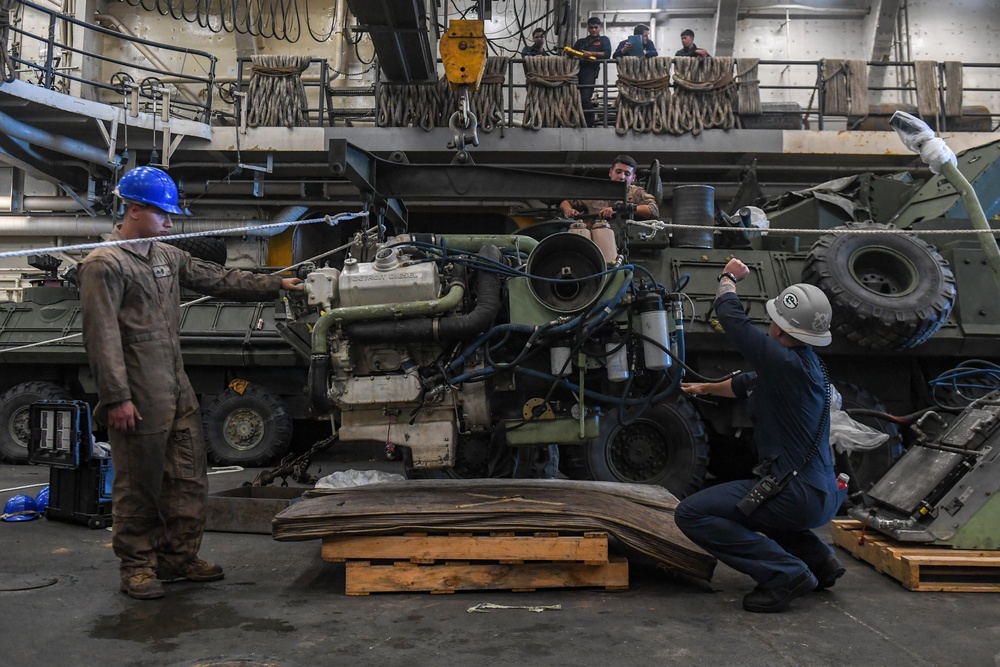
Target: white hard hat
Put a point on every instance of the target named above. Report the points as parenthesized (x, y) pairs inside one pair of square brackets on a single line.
[(803, 312)]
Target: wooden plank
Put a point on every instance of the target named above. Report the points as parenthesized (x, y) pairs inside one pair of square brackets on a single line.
[(363, 578), (922, 568), (591, 548), (635, 515)]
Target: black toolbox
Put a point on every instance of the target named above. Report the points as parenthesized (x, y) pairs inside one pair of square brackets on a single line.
[(79, 483)]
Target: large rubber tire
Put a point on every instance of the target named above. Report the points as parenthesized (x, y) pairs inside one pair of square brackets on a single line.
[(888, 291), (208, 248), (870, 466), (249, 429), (477, 457), (14, 412), (666, 445)]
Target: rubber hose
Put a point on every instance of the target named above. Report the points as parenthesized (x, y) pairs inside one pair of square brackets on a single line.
[(445, 329), (319, 370)]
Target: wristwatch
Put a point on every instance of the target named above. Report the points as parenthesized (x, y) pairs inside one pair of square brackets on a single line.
[(730, 275)]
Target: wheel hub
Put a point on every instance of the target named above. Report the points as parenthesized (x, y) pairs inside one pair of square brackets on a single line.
[(244, 429), (638, 452), (884, 271), (19, 427)]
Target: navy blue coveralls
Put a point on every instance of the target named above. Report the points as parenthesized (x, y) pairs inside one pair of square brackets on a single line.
[(589, 70), (774, 545)]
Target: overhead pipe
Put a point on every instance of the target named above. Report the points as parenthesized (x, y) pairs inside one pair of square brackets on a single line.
[(770, 11), (24, 225), (22, 155), (48, 203), (340, 27), (54, 142)]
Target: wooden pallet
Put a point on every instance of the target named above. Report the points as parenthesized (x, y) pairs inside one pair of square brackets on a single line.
[(467, 561), (921, 568)]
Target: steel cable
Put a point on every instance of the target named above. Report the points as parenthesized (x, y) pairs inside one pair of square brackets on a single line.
[(270, 19)]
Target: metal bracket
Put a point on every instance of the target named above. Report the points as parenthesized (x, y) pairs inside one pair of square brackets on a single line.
[(266, 169)]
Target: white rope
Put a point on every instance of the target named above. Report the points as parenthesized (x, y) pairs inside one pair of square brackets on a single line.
[(334, 221), (21, 488), (331, 220), (659, 225)]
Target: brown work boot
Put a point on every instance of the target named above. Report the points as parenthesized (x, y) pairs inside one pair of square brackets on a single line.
[(141, 586), (197, 570)]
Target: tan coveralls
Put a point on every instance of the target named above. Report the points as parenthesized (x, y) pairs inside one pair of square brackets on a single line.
[(131, 322), (635, 195)]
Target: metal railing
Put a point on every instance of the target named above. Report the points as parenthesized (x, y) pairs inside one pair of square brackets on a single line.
[(53, 76), (793, 93), (804, 94)]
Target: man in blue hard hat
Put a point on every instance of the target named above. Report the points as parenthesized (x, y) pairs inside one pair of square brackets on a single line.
[(130, 296)]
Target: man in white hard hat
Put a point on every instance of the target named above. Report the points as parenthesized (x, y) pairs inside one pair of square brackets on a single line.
[(762, 527)]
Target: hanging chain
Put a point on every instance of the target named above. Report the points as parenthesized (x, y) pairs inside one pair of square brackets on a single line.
[(293, 466)]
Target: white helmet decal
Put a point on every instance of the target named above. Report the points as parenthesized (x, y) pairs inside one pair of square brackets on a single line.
[(803, 312)]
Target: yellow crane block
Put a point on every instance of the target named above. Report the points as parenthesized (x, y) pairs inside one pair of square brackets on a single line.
[(463, 51)]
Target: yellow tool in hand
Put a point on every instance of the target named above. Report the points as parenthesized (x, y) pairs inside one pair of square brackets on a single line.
[(578, 54)]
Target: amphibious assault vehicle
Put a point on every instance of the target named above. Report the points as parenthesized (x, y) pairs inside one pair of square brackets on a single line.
[(249, 380), (478, 354), (565, 342)]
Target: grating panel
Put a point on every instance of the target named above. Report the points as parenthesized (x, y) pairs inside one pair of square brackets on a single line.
[(913, 477)]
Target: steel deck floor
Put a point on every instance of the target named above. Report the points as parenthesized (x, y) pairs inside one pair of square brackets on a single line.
[(282, 605)]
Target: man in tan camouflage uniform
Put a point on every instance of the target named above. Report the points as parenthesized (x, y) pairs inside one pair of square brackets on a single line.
[(622, 170), (131, 317)]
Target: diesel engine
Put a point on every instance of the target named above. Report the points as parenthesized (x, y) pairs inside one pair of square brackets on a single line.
[(462, 348)]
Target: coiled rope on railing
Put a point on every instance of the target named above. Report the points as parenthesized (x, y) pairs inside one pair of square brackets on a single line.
[(747, 86), (845, 87), (431, 105), (643, 102), (703, 95), (553, 97), (276, 96)]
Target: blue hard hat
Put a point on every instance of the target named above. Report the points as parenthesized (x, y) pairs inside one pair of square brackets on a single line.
[(20, 508), (42, 500), (149, 185)]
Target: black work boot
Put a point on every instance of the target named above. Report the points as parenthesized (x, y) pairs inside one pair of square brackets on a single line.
[(769, 600), (828, 572)]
